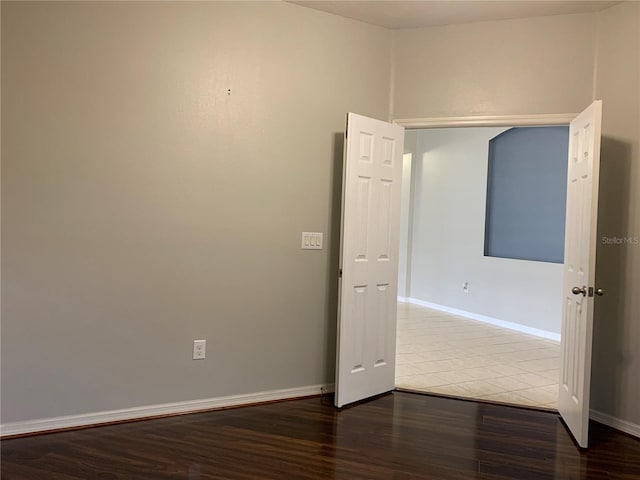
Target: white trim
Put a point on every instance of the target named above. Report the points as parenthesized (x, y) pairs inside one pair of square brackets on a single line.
[(136, 413), (493, 321), (614, 422), (392, 79), (596, 61), (487, 121)]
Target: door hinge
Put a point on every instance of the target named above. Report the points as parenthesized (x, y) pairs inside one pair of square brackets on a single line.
[(340, 273)]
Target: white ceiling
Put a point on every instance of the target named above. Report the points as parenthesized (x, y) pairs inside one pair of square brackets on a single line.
[(417, 13)]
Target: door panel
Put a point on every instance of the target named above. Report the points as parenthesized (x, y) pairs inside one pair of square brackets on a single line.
[(369, 259), (579, 271)]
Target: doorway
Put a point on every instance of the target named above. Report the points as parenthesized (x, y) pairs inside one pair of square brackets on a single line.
[(368, 283), (469, 325)]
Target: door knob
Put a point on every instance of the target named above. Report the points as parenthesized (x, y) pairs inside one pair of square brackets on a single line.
[(578, 291), (599, 292)]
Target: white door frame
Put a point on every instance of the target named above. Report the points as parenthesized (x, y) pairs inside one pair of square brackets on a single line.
[(487, 121)]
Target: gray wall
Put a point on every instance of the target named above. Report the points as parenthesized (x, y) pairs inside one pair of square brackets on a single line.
[(525, 66), (616, 337), (143, 207), (448, 237)]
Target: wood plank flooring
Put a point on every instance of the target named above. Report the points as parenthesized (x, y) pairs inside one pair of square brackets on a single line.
[(396, 436)]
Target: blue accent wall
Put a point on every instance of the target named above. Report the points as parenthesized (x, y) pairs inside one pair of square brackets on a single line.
[(526, 194)]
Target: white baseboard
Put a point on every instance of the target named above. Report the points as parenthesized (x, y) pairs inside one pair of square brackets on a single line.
[(617, 423), (483, 318), (137, 413)]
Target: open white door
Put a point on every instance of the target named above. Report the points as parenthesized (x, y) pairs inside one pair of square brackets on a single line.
[(579, 271), (369, 259)]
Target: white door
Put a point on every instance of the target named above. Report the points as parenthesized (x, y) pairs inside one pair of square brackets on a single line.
[(369, 259), (579, 271)]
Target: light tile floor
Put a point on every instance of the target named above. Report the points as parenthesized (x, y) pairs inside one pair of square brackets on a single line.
[(442, 353)]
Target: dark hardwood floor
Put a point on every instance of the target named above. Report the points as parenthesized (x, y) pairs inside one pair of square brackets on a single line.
[(397, 436)]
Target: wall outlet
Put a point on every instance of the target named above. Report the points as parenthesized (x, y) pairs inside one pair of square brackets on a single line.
[(199, 349), (465, 287)]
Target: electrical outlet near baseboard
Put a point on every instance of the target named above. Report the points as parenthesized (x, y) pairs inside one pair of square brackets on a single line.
[(199, 349)]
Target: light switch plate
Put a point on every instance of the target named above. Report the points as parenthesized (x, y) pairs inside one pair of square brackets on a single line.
[(312, 240)]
